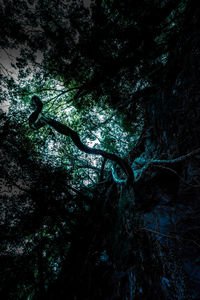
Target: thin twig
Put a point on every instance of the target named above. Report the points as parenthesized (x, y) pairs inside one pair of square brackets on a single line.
[(169, 236), (175, 160), (175, 173)]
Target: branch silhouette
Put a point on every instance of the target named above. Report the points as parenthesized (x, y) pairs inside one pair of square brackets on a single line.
[(36, 122)]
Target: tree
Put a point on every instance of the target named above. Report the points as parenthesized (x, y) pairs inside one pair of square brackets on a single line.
[(127, 76)]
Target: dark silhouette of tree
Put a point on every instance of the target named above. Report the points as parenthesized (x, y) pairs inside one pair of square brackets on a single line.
[(110, 240)]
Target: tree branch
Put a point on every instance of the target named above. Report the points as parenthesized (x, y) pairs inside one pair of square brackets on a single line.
[(176, 160), (36, 123)]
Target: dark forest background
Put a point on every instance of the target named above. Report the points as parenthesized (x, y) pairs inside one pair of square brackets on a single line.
[(125, 77)]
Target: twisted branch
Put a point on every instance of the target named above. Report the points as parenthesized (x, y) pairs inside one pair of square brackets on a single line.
[(36, 123)]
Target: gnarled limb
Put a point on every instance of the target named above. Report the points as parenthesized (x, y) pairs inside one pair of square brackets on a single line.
[(35, 123)]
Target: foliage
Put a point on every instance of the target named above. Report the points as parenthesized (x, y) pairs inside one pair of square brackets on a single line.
[(125, 76)]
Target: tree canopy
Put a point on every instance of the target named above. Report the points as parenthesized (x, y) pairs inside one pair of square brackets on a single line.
[(100, 149)]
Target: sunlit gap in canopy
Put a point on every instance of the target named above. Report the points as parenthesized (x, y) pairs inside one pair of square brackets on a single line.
[(10, 72)]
